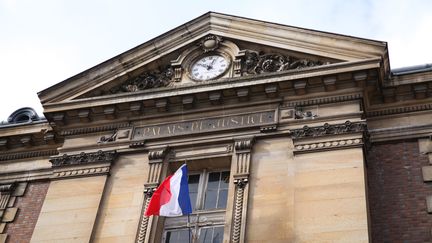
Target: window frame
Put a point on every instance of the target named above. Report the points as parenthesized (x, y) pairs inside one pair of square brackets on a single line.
[(200, 218)]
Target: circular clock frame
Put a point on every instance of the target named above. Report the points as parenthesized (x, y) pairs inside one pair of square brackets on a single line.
[(209, 66)]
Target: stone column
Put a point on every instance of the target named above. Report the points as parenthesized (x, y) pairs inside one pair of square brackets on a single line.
[(243, 149), (155, 158)]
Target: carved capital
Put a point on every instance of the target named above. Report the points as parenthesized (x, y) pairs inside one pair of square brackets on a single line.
[(157, 155), (241, 182), (328, 130), (244, 144), (84, 158)]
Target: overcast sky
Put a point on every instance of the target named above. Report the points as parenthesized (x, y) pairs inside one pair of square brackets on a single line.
[(44, 42)]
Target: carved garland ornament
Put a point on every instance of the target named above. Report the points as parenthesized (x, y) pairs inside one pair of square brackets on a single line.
[(259, 62), (84, 158), (147, 80), (327, 129)]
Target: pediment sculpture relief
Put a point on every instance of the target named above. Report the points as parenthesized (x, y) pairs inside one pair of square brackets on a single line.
[(235, 63)]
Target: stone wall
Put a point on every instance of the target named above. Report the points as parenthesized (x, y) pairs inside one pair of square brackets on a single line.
[(397, 193)]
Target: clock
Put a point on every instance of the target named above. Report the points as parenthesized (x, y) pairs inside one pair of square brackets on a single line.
[(209, 67)]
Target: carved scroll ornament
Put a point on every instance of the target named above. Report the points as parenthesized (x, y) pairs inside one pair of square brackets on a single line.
[(84, 158), (259, 62), (327, 129), (147, 80)]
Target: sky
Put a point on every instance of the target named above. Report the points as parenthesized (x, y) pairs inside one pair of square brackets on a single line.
[(47, 41)]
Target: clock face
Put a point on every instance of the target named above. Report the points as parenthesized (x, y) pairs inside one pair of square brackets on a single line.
[(209, 67)]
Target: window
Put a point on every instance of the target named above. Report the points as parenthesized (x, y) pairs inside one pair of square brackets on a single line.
[(208, 191)]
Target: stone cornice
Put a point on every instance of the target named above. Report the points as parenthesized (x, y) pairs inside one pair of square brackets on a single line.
[(30, 154), (329, 130), (101, 128), (324, 100), (84, 158), (399, 110)]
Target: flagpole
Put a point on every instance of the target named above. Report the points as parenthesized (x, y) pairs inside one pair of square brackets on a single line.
[(188, 223)]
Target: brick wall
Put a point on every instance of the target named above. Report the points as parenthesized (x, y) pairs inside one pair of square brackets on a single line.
[(397, 193), (29, 206)]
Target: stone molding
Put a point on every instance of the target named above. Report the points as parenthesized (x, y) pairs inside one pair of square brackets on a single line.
[(81, 172), (101, 128), (328, 145), (24, 155), (329, 130), (84, 158), (399, 110)]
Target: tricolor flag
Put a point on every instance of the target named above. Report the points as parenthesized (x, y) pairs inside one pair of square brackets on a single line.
[(171, 198)]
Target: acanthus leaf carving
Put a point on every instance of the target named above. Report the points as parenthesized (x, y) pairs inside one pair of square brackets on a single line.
[(84, 158), (327, 129), (258, 62), (146, 80)]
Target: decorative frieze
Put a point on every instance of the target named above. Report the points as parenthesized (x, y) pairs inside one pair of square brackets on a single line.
[(258, 62), (84, 158), (205, 125), (328, 130), (81, 172), (328, 145), (150, 79)]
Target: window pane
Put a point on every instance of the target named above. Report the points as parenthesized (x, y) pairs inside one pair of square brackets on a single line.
[(210, 200), (205, 235), (223, 196), (213, 181), (177, 236), (193, 181), (225, 180), (211, 235), (218, 234)]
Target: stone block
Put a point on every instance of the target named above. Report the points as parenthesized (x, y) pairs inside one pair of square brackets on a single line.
[(425, 145), (2, 227), (20, 189), (429, 204), (9, 215), (3, 238), (427, 173)]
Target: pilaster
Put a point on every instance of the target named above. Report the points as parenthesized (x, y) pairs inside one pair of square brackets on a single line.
[(243, 150), (156, 159)]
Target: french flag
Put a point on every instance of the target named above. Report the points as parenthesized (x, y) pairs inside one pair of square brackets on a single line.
[(171, 198)]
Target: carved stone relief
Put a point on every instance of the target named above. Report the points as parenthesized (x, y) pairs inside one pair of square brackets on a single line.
[(327, 129), (255, 62), (147, 80)]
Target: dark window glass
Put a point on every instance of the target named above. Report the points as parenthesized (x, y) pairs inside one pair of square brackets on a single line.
[(211, 235), (177, 236), (217, 190), (193, 189)]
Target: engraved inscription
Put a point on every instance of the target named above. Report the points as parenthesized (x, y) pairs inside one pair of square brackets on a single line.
[(205, 125)]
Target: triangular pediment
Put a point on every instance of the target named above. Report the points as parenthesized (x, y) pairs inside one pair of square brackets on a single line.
[(249, 48)]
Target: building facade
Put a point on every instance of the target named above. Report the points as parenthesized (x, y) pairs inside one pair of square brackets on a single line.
[(289, 134)]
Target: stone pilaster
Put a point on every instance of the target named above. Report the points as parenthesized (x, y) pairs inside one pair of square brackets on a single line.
[(243, 150), (155, 158)]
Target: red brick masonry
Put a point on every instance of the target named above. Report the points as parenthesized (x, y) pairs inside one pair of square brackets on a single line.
[(21, 230), (397, 193)]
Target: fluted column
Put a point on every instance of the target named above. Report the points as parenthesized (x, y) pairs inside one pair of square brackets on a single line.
[(155, 158), (243, 150)]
